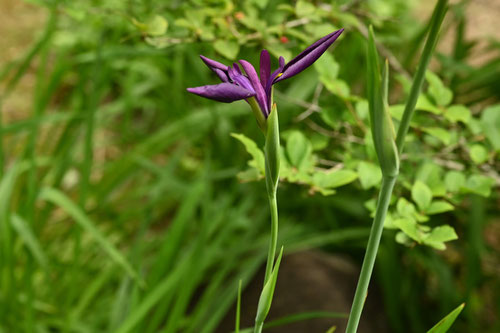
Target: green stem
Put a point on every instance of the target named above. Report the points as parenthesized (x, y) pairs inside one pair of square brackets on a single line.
[(272, 169), (389, 181), (271, 254), (418, 80), (371, 253)]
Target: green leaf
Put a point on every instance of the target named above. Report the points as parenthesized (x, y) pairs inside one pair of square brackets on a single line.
[(441, 94), (369, 175), (266, 296), (319, 30), (478, 154), (440, 133), (490, 122), (405, 208), (157, 26), (278, 50), (362, 109), (227, 48), (298, 149), (438, 207), (424, 104), (62, 201), (331, 116), (454, 181), (238, 310), (432, 175), (397, 111), (328, 70), (251, 147), (332, 329), (439, 235), (338, 87), (389, 222), (318, 141), (459, 112), (327, 67), (260, 3), (480, 184), (409, 227), (304, 9), (403, 239), (421, 195), (334, 179), (249, 175), (444, 324)]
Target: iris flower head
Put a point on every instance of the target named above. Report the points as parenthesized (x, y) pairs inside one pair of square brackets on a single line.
[(241, 81)]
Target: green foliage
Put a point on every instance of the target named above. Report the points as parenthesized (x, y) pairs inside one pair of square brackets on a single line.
[(444, 324)]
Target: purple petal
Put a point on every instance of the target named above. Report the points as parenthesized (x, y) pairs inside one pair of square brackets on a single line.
[(307, 57), (241, 80), (222, 92), (221, 74), (217, 68), (257, 86), (275, 74), (265, 67), (213, 64), (271, 79), (237, 68)]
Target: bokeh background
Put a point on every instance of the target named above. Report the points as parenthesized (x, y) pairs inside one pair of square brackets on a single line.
[(126, 205)]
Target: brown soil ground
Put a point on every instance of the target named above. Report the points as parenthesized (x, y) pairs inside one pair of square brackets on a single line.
[(20, 24)]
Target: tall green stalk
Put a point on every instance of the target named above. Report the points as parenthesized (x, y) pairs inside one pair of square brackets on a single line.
[(418, 80), (388, 147), (272, 162), (371, 253)]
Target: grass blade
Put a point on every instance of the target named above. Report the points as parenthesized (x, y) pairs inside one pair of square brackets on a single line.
[(61, 200), (238, 310), (24, 231)]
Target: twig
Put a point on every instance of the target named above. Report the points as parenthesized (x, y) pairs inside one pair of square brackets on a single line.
[(313, 107)]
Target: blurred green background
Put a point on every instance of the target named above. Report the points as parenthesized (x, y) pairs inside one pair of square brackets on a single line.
[(127, 206)]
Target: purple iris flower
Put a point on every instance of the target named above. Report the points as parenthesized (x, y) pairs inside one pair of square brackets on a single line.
[(237, 85)]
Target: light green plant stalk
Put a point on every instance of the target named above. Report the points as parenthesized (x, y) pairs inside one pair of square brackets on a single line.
[(388, 147), (272, 163)]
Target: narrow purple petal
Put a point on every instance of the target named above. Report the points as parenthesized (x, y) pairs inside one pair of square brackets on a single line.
[(275, 74), (265, 67), (213, 64), (307, 57), (238, 78), (237, 68), (217, 68), (243, 81), (271, 79), (257, 86), (222, 92), (221, 74)]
